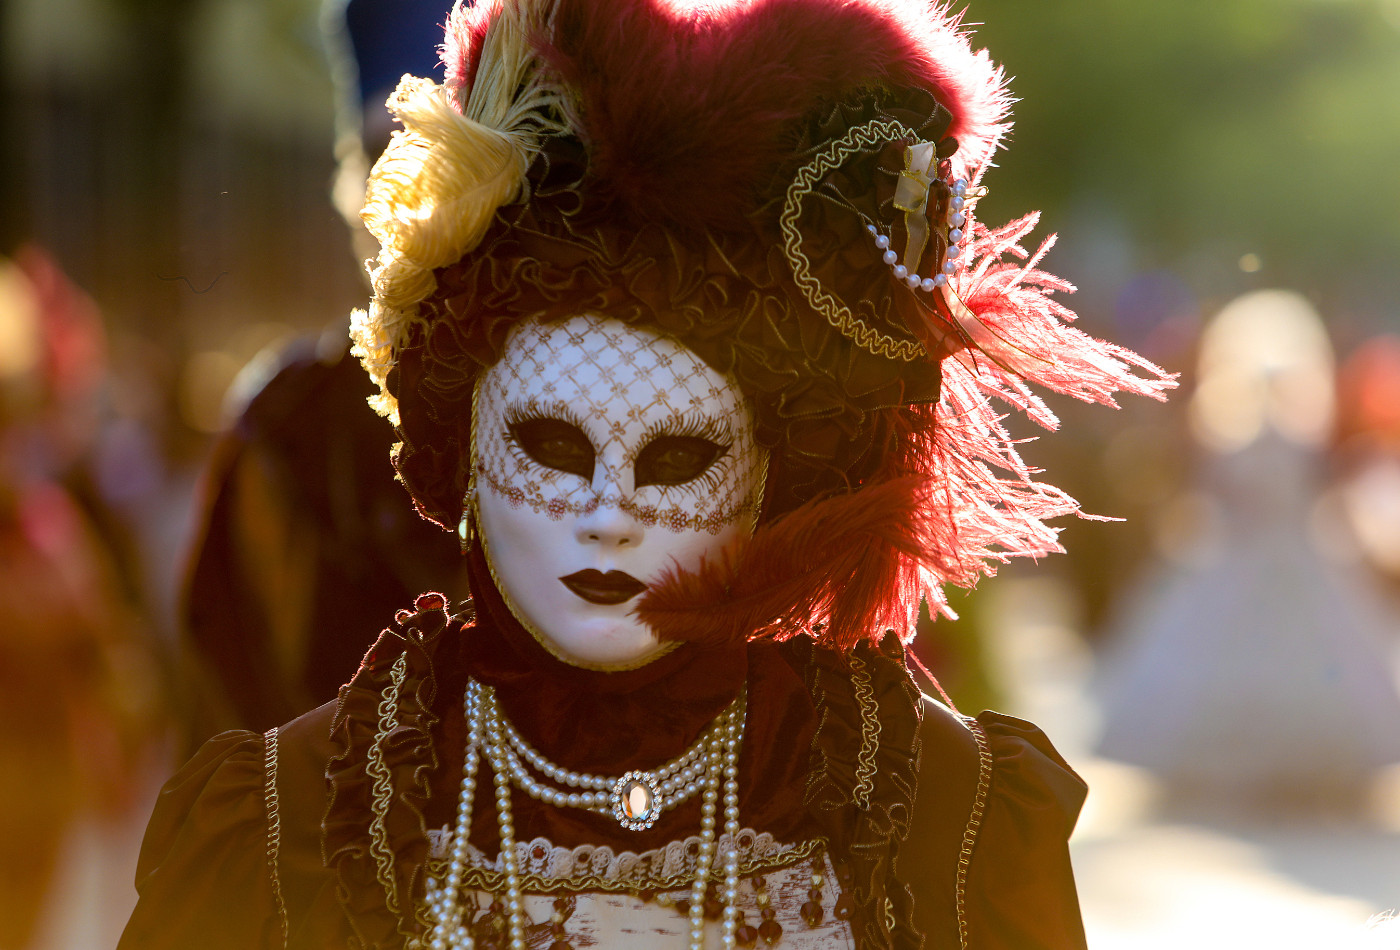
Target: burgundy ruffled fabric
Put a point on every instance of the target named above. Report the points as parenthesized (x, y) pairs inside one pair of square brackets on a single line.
[(1021, 886), (1020, 892), (866, 835), (410, 752), (203, 877), (210, 815)]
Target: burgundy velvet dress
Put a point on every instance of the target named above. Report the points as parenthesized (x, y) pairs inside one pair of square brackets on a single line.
[(934, 830)]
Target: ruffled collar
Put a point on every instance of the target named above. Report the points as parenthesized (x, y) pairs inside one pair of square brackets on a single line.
[(399, 733)]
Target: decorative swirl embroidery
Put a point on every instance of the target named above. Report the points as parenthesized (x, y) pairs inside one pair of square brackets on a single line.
[(869, 733), (383, 789), (974, 822), (546, 868), (872, 134), (274, 826)]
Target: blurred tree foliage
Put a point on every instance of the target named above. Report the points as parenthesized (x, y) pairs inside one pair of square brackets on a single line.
[(1213, 130)]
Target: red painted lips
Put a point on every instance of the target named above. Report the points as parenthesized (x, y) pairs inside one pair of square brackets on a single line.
[(614, 587)]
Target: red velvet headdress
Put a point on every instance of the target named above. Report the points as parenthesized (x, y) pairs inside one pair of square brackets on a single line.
[(787, 187)]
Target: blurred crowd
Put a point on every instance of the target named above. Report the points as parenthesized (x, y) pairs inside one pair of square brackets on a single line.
[(199, 528)]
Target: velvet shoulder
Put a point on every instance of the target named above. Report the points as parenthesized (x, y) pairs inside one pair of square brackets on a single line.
[(232, 853), (202, 876), (987, 856)]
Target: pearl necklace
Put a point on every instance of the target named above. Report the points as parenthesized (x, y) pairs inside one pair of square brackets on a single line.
[(638, 796), (636, 800)]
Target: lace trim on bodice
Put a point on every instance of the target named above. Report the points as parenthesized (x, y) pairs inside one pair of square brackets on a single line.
[(544, 867)]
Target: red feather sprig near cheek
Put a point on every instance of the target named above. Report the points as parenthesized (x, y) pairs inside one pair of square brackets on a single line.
[(831, 564)]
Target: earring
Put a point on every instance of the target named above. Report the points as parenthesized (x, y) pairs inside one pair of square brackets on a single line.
[(466, 528)]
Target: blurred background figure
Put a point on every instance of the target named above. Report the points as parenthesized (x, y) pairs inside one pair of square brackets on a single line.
[(1366, 456), (304, 541), (1254, 671), (77, 681)]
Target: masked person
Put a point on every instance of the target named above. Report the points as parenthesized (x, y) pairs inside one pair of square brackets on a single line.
[(686, 326)]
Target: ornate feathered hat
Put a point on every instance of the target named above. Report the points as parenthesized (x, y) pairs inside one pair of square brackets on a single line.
[(786, 187)]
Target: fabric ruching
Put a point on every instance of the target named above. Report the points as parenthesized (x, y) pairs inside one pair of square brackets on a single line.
[(380, 873), (202, 874), (1018, 888), (862, 786)]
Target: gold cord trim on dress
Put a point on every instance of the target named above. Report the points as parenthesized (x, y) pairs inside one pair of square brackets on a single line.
[(876, 132), (869, 733), (974, 822), (382, 791), (274, 826)]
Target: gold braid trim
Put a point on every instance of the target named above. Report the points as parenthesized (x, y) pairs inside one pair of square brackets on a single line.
[(869, 733), (487, 879), (872, 134), (383, 789), (274, 826), (974, 822)]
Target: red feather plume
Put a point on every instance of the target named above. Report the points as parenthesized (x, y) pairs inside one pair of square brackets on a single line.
[(827, 568)]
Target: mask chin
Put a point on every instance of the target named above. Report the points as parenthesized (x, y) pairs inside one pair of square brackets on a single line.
[(590, 636), (610, 643)]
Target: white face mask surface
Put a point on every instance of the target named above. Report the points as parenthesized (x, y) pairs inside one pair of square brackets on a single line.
[(605, 454)]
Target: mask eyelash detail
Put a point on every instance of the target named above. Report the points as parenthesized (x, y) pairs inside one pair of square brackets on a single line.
[(520, 413), (532, 409), (696, 425)]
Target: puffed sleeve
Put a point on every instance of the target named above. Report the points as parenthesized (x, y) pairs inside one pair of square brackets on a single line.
[(996, 791), (203, 874)]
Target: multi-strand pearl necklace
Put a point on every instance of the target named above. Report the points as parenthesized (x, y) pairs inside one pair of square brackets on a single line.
[(636, 800)]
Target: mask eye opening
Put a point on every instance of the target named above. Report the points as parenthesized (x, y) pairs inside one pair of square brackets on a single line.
[(676, 459), (553, 443)]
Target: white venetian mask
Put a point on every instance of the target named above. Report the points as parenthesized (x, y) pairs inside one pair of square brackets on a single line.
[(605, 454)]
